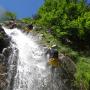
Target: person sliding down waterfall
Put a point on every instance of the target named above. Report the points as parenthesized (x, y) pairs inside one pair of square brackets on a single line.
[(55, 67), (29, 28), (54, 61)]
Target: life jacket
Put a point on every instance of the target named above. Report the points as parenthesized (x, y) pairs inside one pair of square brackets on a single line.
[(54, 62), (27, 30)]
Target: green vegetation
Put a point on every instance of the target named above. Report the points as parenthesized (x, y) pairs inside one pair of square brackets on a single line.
[(10, 16), (26, 20), (83, 73), (67, 19)]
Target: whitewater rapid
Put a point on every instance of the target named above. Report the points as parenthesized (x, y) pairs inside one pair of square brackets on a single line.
[(32, 70)]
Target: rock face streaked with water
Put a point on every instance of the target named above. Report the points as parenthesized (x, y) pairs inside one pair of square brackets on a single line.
[(4, 54)]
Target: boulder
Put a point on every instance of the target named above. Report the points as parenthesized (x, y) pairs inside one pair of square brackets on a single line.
[(68, 69), (67, 63)]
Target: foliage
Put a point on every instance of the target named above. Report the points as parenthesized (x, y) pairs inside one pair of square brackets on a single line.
[(26, 20), (68, 19), (9, 16)]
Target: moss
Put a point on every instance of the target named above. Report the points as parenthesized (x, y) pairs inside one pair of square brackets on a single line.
[(83, 72)]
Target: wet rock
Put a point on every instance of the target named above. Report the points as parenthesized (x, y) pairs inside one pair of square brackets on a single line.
[(3, 72), (2, 58), (8, 67), (6, 51), (68, 69), (12, 68), (3, 76), (67, 63), (4, 39)]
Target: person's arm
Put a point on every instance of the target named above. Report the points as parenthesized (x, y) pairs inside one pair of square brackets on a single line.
[(48, 51)]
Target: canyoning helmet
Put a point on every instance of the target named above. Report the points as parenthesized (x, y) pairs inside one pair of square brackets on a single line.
[(54, 46)]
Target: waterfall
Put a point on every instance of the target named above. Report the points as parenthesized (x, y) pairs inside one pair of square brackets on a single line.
[(32, 72)]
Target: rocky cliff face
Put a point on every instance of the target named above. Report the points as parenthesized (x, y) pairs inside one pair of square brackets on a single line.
[(4, 54), (4, 39)]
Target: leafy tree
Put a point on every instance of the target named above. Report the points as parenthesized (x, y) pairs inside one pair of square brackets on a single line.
[(9, 16), (68, 19)]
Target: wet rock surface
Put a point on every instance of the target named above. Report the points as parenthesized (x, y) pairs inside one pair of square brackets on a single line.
[(3, 76), (68, 69), (4, 39), (3, 71), (6, 75), (8, 67), (4, 43), (12, 67)]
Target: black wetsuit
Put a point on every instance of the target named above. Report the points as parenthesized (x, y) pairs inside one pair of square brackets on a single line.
[(53, 53), (30, 26)]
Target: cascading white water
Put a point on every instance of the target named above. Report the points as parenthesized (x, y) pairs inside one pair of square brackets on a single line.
[(32, 71)]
